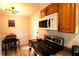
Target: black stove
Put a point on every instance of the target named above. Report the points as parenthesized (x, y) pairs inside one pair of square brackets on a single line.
[(49, 46)]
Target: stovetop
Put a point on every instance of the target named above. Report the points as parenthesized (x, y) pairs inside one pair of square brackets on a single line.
[(50, 46), (42, 49)]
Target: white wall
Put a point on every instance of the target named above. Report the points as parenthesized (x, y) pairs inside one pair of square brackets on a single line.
[(21, 28), (34, 22), (34, 25), (0, 45)]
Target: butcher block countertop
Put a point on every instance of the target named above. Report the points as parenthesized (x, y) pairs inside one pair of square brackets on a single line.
[(64, 53)]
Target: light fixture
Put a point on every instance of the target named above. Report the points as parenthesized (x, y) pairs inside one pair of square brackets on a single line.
[(12, 10)]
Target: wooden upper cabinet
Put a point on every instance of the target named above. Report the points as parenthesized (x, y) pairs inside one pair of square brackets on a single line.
[(52, 8), (43, 13), (66, 16)]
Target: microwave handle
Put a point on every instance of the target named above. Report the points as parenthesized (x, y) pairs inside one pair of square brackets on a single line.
[(49, 23)]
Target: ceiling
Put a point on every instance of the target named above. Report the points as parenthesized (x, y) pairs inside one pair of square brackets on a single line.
[(27, 9)]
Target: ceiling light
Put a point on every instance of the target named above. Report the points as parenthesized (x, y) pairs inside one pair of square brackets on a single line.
[(12, 10)]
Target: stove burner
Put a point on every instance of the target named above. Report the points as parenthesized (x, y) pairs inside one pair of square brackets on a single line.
[(56, 40)]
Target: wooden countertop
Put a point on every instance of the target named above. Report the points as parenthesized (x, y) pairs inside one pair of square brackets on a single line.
[(64, 53), (35, 40)]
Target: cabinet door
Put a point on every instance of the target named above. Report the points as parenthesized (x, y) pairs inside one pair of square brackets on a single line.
[(52, 8), (42, 13), (66, 17)]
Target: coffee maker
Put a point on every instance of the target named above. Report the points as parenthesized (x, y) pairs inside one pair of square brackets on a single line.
[(75, 50)]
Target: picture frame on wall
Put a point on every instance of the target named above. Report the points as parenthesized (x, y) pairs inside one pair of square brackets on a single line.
[(11, 23)]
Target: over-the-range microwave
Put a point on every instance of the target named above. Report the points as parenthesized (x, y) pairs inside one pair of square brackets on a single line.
[(49, 22)]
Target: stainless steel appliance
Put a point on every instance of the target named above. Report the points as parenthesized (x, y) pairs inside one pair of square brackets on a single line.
[(49, 22), (75, 50), (50, 46)]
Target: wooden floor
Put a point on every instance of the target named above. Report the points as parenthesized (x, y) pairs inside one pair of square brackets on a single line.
[(24, 51)]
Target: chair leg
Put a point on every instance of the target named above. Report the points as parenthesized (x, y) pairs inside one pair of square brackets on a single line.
[(5, 50)]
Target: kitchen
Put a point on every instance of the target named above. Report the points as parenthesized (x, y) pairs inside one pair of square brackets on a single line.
[(67, 23), (65, 26)]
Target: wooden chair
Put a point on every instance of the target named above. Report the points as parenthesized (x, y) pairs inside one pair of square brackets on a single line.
[(10, 44)]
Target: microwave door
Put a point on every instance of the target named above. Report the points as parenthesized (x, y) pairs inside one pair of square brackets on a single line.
[(43, 24)]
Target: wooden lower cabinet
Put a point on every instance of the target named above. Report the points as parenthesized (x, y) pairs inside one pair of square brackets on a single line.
[(66, 17)]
